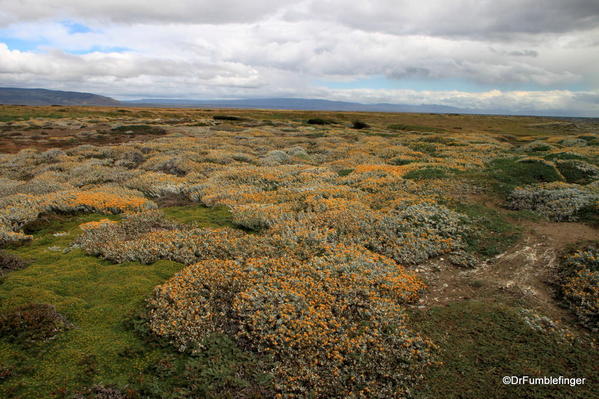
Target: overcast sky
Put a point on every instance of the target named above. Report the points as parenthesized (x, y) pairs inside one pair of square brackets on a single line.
[(513, 55)]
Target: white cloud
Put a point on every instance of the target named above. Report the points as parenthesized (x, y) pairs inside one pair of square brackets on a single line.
[(532, 54)]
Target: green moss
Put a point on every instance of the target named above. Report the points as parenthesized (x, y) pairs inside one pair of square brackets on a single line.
[(482, 342), (508, 173), (492, 233), (222, 370), (219, 216), (577, 172), (564, 155), (427, 173), (96, 296), (426, 148)]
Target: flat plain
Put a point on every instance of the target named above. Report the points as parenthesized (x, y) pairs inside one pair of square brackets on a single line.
[(191, 253)]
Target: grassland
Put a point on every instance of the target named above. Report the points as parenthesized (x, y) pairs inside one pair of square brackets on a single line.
[(216, 253)]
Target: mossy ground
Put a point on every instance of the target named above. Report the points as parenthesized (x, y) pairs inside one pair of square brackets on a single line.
[(482, 341), (493, 232), (218, 216), (97, 297)]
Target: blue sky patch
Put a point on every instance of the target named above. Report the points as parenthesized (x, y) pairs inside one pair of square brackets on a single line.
[(99, 49), (22, 44), (76, 27)]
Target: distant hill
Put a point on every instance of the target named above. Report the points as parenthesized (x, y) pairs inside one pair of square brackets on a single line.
[(308, 104), (296, 104), (10, 95)]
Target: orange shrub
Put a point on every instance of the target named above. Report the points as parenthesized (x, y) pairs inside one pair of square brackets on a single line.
[(334, 324)]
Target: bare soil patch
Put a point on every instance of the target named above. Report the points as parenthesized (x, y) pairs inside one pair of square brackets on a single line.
[(525, 273)]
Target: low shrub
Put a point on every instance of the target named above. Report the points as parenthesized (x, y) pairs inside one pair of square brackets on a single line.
[(579, 172), (20, 210), (414, 233), (32, 323), (334, 324), (464, 259), (12, 238), (400, 161), (275, 157), (319, 121), (102, 392), (10, 263), (147, 237), (536, 146), (450, 141), (556, 201), (360, 125), (564, 155), (227, 118), (574, 142), (415, 128), (579, 284), (5, 373), (589, 137), (139, 129)]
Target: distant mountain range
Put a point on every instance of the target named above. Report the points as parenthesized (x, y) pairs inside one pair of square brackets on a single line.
[(55, 97), (11, 95), (309, 104), (295, 104), (18, 96)]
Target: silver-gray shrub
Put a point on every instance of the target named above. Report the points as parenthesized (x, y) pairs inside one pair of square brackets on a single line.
[(558, 202)]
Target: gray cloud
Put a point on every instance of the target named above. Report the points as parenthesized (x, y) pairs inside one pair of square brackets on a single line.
[(465, 18), (236, 48), (141, 11), (523, 53)]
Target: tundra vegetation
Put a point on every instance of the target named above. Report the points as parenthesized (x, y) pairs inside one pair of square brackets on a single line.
[(163, 253)]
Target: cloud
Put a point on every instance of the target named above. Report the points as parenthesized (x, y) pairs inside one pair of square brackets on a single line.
[(264, 48), (121, 68), (516, 101), (141, 11), (523, 53), (429, 17), (465, 18)]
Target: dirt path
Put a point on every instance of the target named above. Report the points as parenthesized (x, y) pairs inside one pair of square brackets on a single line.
[(523, 273)]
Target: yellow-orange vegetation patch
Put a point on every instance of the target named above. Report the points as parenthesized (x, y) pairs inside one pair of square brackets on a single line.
[(96, 224), (107, 202)]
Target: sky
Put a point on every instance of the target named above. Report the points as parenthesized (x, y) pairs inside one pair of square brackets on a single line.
[(532, 56)]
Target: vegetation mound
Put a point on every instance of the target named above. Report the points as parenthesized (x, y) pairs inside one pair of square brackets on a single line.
[(579, 284), (334, 325), (556, 201), (32, 323), (10, 263)]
